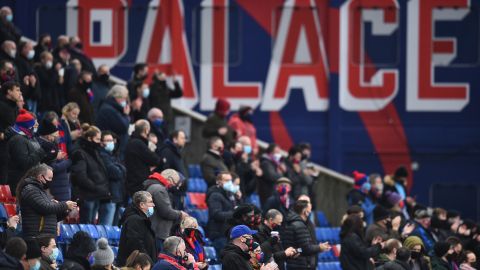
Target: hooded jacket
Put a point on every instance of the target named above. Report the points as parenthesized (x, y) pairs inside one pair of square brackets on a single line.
[(164, 215), (234, 258), (220, 209)]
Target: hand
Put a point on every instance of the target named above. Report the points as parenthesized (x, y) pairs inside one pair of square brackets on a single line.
[(282, 167), (183, 215), (13, 221), (61, 155), (396, 223), (290, 252), (33, 80), (126, 110), (136, 104), (191, 259), (71, 205), (238, 194), (410, 201), (269, 266), (408, 229), (26, 80), (2, 136), (201, 265), (222, 130), (377, 240), (324, 246)]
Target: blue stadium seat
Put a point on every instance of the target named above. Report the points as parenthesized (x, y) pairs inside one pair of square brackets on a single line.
[(66, 233), (101, 231), (210, 254), (115, 251), (194, 171), (322, 219), (93, 231), (254, 199), (202, 185), (215, 267), (3, 213), (60, 257), (192, 185), (200, 215), (112, 235), (75, 228)]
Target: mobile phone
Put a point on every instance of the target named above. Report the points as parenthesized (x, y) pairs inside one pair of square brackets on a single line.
[(299, 250), (61, 72)]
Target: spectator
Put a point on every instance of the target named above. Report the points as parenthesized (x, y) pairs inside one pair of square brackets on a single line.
[(113, 115), (440, 261), (301, 181), (231, 153), (23, 151), (51, 84), (78, 252), (247, 169), (389, 253), (70, 125), (170, 152), (273, 168), (160, 185), (193, 239), (384, 225), (103, 257), (90, 180), (101, 85), (468, 260), (174, 256), (159, 128), (212, 162), (419, 259), (242, 123), (27, 76), (33, 255), (359, 195), (216, 124), (422, 229), (8, 54), (439, 224), (281, 198), (44, 44), (257, 256), (269, 238), (8, 31), (161, 95), (136, 228), (220, 210), (401, 262), (50, 252), (454, 258), (76, 50), (7, 70), (140, 74), (9, 95), (138, 157), (296, 234), (401, 180), (9, 230), (15, 251), (55, 158), (356, 253), (82, 94), (116, 172), (243, 214), (138, 261), (140, 105), (40, 213)]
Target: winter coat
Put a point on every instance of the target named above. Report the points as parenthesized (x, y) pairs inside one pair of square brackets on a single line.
[(211, 165), (89, 175), (161, 96), (8, 262), (375, 230), (425, 235), (213, 123), (355, 254), (273, 202), (138, 160), (116, 174), (111, 117), (439, 264), (79, 95), (297, 234), (40, 213), (8, 31), (243, 128), (395, 265), (300, 182), (266, 185), (87, 63), (136, 235), (164, 215), (51, 89), (8, 116), (167, 261), (234, 258), (220, 209), (248, 178), (171, 158), (23, 153), (24, 67), (100, 89), (75, 263), (67, 127), (271, 247)]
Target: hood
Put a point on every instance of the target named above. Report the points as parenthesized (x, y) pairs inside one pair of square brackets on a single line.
[(131, 211), (231, 248)]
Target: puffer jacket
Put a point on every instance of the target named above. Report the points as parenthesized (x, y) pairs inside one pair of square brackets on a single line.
[(296, 234), (220, 209), (40, 213)]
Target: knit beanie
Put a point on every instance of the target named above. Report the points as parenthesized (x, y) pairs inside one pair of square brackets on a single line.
[(441, 248), (82, 244), (360, 179), (46, 128), (222, 106), (393, 198), (380, 213), (25, 119), (104, 254), (412, 241), (33, 249), (401, 172)]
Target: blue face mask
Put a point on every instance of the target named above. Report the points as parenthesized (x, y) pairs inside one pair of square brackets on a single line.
[(230, 187), (123, 104), (149, 212), (110, 146), (31, 54), (158, 122), (146, 92), (9, 17), (247, 149), (54, 254), (36, 266)]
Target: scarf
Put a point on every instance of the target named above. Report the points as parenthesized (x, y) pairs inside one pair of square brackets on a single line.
[(195, 245), (23, 131)]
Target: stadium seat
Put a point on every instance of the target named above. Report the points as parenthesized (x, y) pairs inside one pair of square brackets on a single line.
[(115, 251), (6, 194), (93, 231), (192, 185), (11, 209), (66, 234), (210, 254), (60, 257), (196, 200), (200, 215), (202, 185), (101, 231), (215, 267), (195, 171), (3, 213), (322, 219), (254, 199)]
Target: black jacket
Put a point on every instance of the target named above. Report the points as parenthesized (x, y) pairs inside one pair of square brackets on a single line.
[(8, 31), (24, 68), (160, 97), (40, 213), (234, 258), (8, 262), (51, 89), (211, 165), (75, 263), (356, 254), (273, 202), (171, 158), (395, 265), (116, 174), (79, 95), (136, 235), (89, 176), (213, 123), (271, 246), (111, 117), (267, 181), (138, 160), (439, 264), (9, 113), (220, 209), (296, 234)]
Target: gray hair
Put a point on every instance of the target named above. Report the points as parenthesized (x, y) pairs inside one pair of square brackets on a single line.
[(141, 125), (272, 213), (118, 91), (171, 244), (140, 196)]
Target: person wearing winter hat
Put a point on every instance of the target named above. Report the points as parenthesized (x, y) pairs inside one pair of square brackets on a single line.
[(384, 226), (79, 251), (419, 260), (422, 228), (441, 251), (401, 180), (23, 151), (103, 257), (48, 138), (281, 199), (242, 123), (216, 124), (360, 195), (32, 258)]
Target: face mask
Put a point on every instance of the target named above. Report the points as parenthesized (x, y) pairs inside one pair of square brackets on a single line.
[(36, 266), (30, 54), (249, 242), (149, 212), (104, 77), (185, 258), (49, 64), (79, 45), (9, 17), (190, 232), (230, 187), (247, 149), (277, 157), (260, 257), (54, 255), (110, 146), (146, 92), (12, 53), (123, 104), (158, 122), (283, 189), (415, 254), (35, 129)]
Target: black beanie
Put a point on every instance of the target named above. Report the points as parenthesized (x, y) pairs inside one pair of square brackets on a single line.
[(401, 172), (46, 128), (380, 213), (82, 244), (241, 210), (33, 249), (441, 248)]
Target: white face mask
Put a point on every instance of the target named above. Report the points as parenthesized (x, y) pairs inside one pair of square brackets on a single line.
[(31, 54), (49, 64), (12, 53)]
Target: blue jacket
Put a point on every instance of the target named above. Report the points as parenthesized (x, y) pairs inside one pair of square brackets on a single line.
[(426, 237)]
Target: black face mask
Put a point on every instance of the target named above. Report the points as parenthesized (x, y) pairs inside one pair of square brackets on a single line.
[(86, 85), (452, 257), (249, 243), (143, 77), (190, 232), (79, 45), (415, 254), (104, 78)]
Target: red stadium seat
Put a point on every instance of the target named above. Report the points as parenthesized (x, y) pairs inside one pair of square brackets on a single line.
[(198, 200), (6, 194), (11, 209)]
